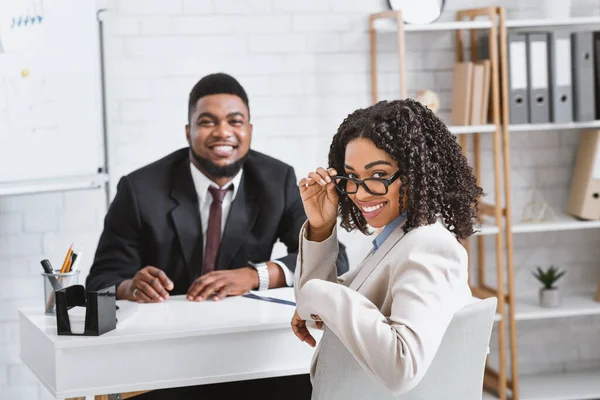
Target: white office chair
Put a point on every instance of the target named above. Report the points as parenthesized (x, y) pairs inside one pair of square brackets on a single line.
[(456, 371)]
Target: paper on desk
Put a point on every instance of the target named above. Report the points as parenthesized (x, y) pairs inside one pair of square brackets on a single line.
[(77, 319)]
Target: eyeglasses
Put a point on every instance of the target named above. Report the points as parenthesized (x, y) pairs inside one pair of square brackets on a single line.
[(374, 186)]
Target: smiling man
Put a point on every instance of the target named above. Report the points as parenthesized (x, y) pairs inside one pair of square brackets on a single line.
[(202, 221)]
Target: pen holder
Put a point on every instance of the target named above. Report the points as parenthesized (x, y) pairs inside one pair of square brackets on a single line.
[(54, 282), (100, 310)]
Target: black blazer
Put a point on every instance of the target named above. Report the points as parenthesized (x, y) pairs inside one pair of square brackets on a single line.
[(154, 220)]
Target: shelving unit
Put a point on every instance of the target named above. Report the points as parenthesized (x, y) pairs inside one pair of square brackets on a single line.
[(562, 386), (541, 23), (380, 22), (553, 127), (487, 229), (470, 129), (498, 221), (385, 22), (563, 222), (572, 305)]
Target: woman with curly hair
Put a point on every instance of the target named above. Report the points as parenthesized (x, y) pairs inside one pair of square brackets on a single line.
[(394, 166)]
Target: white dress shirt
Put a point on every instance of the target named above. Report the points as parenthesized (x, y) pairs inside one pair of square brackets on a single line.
[(201, 184)]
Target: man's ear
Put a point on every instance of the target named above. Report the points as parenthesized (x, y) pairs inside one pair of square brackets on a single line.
[(187, 134)]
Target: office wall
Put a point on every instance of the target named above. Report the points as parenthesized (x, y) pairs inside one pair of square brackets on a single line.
[(305, 66)]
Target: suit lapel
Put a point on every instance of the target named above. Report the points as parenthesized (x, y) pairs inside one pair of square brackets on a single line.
[(242, 215), (186, 219), (369, 265)]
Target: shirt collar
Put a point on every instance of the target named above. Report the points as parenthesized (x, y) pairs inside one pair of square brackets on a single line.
[(387, 230), (202, 183)]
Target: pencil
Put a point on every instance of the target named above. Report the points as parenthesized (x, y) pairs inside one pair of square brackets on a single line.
[(67, 261)]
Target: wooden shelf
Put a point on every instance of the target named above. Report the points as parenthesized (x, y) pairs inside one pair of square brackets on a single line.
[(584, 385), (389, 25), (562, 223), (487, 228), (532, 23), (497, 317), (470, 129), (575, 305), (553, 126), (448, 26), (53, 185), (572, 305)]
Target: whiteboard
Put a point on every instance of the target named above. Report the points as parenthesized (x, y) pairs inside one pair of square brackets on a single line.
[(50, 90)]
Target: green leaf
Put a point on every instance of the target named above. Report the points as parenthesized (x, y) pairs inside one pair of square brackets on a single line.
[(548, 277)]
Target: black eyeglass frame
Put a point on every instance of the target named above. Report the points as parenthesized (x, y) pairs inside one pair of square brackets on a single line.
[(385, 181)]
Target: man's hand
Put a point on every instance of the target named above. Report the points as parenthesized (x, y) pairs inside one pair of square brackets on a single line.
[(223, 283), (302, 332), (149, 285)]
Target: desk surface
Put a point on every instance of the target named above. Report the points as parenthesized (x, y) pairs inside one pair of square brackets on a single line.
[(178, 317), (250, 338)]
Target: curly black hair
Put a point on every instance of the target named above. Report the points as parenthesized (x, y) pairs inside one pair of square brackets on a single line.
[(436, 175)]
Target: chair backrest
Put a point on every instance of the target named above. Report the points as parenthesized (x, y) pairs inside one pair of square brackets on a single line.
[(456, 371)]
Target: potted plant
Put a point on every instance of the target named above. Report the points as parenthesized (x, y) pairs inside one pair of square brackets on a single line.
[(549, 294)]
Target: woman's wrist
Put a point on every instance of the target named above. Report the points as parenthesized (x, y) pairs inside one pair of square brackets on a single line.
[(319, 233)]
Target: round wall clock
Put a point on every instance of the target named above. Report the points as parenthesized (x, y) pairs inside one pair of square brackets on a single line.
[(418, 12)]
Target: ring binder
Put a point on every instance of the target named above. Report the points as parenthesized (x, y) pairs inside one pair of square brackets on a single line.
[(561, 88), (517, 79), (584, 107), (537, 79)]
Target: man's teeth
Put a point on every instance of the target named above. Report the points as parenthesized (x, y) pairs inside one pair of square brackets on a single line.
[(223, 148), (373, 208)]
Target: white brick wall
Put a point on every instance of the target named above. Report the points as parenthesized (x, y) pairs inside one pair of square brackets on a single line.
[(34, 227), (305, 66)]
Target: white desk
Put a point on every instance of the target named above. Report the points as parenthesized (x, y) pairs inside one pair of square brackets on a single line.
[(170, 344)]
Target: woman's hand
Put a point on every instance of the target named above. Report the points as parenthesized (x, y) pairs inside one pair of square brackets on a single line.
[(320, 200), (301, 331)]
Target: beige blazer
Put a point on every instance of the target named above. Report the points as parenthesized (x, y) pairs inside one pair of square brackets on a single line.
[(391, 311)]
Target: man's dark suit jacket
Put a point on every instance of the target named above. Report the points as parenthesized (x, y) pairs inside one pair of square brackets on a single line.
[(154, 220)]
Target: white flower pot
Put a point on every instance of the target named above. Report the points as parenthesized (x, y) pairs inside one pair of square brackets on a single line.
[(556, 9), (549, 298)]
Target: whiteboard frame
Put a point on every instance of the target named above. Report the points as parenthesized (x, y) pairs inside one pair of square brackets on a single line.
[(98, 181)]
